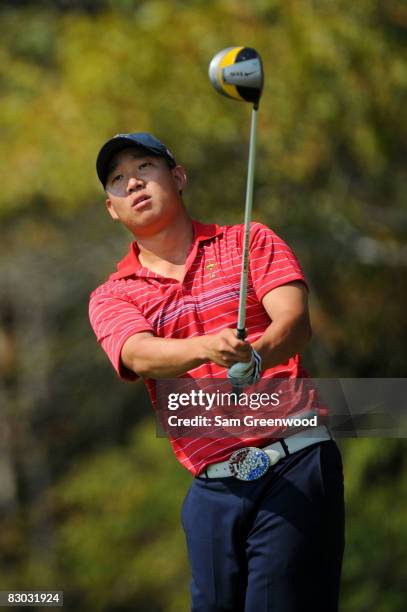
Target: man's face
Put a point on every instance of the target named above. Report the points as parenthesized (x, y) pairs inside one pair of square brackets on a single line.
[(143, 192)]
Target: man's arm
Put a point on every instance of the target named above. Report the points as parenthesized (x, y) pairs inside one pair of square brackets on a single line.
[(287, 334), (152, 357), (290, 327)]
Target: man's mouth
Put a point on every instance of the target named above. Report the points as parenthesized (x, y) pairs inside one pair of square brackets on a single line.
[(140, 200)]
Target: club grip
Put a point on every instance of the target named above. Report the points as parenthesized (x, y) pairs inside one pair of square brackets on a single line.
[(241, 334)]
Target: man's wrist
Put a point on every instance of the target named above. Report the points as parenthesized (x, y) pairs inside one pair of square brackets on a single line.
[(261, 351), (258, 360), (199, 349)]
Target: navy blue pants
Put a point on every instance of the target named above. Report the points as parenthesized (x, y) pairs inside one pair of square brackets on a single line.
[(271, 545)]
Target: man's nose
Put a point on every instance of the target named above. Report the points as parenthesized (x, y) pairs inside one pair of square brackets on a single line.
[(134, 183)]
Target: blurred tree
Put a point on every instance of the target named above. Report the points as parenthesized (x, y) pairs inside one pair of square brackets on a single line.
[(120, 545), (86, 6), (330, 178)]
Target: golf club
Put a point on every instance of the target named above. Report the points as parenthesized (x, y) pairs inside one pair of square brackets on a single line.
[(237, 73)]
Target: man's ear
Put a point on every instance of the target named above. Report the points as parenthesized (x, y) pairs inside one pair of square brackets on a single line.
[(110, 208), (180, 177)]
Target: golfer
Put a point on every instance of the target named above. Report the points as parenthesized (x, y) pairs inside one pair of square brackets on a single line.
[(268, 539)]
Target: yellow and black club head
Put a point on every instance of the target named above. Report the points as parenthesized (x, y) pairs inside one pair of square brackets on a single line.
[(237, 72)]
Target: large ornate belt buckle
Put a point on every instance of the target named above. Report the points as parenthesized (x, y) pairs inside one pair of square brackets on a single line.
[(249, 463)]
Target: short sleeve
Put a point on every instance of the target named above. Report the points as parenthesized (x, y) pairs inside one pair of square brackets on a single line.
[(114, 319), (271, 261)]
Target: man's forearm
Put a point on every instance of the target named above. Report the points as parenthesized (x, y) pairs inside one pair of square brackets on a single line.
[(166, 357), (283, 339), (152, 357)]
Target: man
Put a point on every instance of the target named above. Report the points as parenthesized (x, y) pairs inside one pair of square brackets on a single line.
[(268, 542)]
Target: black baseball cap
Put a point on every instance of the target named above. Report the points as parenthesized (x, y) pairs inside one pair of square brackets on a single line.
[(121, 141)]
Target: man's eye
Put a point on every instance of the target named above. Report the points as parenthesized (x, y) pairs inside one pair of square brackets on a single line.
[(116, 178), (144, 164)]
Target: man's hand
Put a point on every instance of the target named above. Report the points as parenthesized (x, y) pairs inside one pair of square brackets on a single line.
[(226, 349), (243, 374)]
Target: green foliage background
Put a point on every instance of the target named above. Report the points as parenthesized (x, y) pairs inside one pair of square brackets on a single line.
[(90, 498)]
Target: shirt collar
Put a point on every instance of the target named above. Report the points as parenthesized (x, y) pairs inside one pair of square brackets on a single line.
[(130, 264)]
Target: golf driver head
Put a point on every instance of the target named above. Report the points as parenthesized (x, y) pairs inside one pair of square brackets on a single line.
[(237, 72)]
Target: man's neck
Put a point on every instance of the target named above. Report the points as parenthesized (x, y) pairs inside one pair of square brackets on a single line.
[(169, 246)]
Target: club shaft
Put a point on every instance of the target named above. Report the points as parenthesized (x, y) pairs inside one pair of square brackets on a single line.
[(241, 322)]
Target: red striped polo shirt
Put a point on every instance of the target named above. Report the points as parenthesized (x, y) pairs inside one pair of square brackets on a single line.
[(136, 299)]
